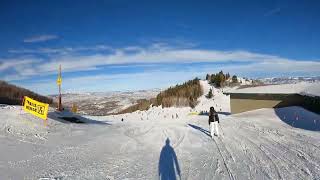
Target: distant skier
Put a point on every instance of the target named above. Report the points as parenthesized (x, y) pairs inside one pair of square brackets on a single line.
[(213, 122)]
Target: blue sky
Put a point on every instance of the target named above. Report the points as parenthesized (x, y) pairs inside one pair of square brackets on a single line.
[(130, 45)]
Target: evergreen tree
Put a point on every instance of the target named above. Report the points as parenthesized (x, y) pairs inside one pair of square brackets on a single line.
[(222, 79), (212, 78), (208, 77), (218, 79), (227, 76), (234, 79), (209, 95)]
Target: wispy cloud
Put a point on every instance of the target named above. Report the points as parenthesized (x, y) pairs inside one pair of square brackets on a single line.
[(40, 38), (63, 50), (154, 54), (272, 12)]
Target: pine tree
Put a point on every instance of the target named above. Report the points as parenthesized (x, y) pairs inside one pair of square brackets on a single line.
[(209, 95), (212, 78), (227, 76), (222, 79), (208, 77), (234, 79)]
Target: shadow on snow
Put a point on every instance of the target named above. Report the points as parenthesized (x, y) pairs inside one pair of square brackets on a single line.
[(206, 132), (299, 117), (74, 119), (168, 163)]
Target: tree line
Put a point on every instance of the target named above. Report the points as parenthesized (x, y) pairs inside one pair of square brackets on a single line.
[(220, 79), (182, 95), (13, 95), (185, 94)]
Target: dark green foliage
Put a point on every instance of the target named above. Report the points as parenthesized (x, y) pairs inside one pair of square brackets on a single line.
[(208, 77), (180, 95), (185, 94), (13, 95), (227, 76), (234, 79), (209, 95), (219, 79)]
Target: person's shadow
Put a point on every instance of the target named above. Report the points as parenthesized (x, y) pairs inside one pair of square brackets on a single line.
[(168, 163)]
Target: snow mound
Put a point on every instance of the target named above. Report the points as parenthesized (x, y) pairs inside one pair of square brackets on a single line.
[(15, 122)]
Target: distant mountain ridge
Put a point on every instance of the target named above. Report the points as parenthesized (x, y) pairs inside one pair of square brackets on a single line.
[(107, 93), (289, 80)]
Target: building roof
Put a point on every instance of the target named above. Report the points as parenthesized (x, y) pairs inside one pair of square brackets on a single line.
[(309, 89)]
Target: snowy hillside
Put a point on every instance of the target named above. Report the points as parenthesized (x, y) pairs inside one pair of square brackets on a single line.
[(219, 101), (163, 142)]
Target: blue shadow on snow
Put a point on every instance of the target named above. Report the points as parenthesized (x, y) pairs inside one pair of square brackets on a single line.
[(299, 117), (206, 132), (168, 163)]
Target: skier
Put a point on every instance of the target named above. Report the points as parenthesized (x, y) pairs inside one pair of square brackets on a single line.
[(213, 122)]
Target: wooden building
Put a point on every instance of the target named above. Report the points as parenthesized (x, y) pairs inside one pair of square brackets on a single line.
[(242, 101)]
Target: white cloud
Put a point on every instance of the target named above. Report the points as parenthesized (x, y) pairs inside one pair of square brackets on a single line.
[(158, 78), (40, 38), (14, 63), (149, 56), (64, 50), (156, 53)]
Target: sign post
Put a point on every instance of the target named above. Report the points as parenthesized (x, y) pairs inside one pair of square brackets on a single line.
[(59, 81)]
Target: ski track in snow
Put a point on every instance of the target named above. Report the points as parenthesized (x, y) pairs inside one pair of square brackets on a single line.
[(252, 145)]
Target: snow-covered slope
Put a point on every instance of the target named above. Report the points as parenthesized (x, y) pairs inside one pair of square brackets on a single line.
[(261, 144), (219, 101)]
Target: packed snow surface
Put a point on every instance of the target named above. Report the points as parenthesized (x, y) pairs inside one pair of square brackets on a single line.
[(305, 88), (162, 143)]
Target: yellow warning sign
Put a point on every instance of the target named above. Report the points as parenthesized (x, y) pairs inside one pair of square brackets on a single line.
[(74, 108), (36, 108), (59, 80)]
